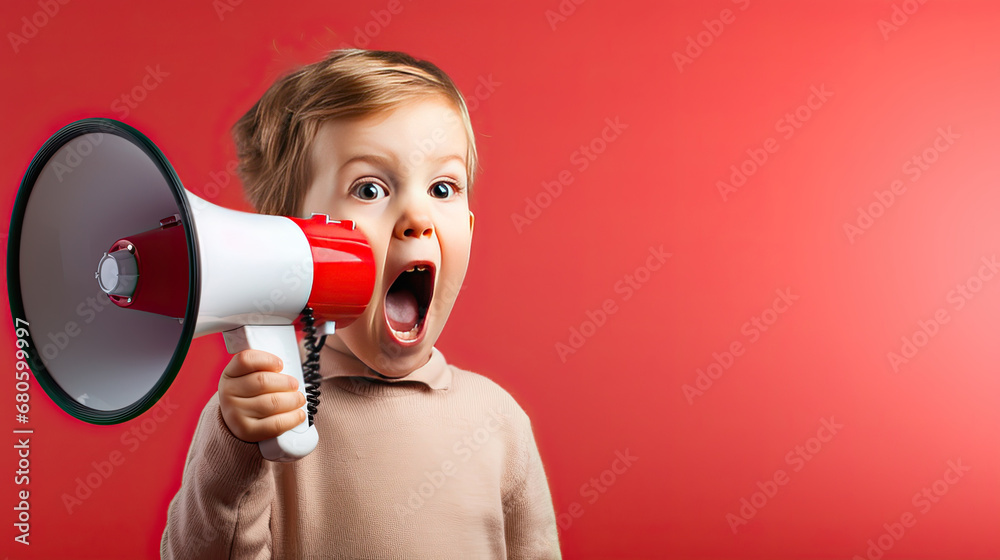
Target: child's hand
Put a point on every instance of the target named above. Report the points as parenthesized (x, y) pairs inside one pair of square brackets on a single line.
[(257, 402)]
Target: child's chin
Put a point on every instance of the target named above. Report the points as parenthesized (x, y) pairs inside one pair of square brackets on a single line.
[(401, 363), (399, 358), (376, 346)]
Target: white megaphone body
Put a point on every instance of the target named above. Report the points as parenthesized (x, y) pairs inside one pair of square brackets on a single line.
[(113, 268)]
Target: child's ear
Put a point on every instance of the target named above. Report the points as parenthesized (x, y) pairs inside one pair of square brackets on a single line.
[(472, 222)]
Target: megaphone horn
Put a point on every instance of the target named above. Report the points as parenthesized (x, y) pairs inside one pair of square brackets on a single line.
[(116, 267)]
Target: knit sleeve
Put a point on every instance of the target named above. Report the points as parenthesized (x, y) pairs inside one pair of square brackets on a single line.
[(223, 508), (529, 518)]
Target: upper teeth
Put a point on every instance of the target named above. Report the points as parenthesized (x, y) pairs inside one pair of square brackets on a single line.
[(419, 267)]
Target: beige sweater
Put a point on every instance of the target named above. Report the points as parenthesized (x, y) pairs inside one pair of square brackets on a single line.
[(440, 464)]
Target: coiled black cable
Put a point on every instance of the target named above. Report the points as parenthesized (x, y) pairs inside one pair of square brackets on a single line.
[(310, 367)]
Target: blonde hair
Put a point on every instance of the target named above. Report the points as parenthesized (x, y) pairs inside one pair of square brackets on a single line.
[(273, 138)]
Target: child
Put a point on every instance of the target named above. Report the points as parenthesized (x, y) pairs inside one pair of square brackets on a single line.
[(417, 458)]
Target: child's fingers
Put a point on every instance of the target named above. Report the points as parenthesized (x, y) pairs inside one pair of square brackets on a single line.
[(271, 404), (257, 403), (274, 426), (254, 430), (249, 361), (258, 383)]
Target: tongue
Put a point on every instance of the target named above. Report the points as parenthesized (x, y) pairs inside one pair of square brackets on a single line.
[(401, 310)]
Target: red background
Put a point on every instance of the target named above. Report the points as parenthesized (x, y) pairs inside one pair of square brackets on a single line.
[(654, 184)]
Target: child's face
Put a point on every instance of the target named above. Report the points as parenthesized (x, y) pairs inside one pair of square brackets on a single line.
[(401, 177)]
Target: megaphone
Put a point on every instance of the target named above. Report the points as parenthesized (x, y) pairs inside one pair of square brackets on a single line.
[(113, 267)]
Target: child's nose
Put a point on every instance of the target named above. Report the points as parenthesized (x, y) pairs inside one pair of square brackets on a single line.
[(414, 224)]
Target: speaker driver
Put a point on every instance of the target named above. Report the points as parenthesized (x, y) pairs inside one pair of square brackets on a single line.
[(93, 183)]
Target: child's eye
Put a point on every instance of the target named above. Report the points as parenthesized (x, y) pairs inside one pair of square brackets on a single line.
[(369, 191), (443, 189)]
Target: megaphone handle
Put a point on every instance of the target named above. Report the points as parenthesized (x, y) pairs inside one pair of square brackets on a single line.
[(278, 340)]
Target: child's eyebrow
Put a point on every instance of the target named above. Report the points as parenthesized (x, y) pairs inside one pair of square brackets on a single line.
[(373, 159), (442, 159), (388, 163)]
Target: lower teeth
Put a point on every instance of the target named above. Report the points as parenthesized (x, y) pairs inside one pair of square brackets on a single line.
[(407, 335)]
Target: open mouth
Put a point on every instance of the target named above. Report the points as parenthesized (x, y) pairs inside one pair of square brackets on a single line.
[(407, 301)]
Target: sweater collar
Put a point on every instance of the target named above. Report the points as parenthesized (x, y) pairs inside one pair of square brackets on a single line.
[(435, 373)]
